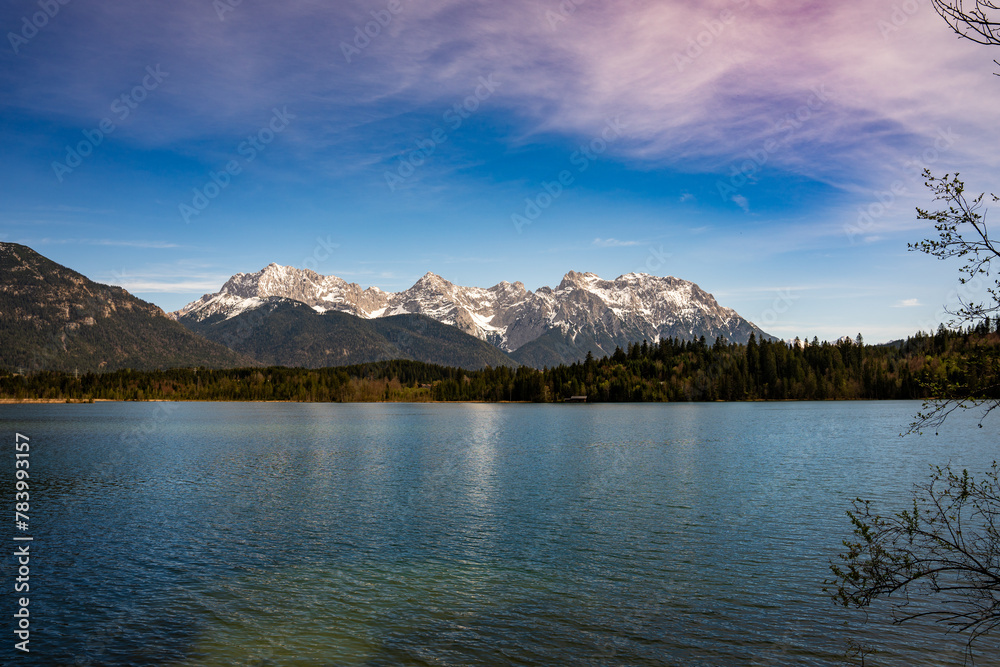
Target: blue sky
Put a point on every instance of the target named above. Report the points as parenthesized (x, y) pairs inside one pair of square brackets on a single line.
[(768, 151)]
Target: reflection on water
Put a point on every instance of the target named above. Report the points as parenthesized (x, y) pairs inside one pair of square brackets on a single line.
[(463, 534)]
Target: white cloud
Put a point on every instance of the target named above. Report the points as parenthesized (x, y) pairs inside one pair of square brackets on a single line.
[(164, 279), (742, 202), (148, 286), (613, 243), (908, 303)]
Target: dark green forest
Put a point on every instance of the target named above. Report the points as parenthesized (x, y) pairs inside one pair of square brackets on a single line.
[(949, 363)]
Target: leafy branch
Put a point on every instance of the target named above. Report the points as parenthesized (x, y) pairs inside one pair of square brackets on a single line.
[(962, 233), (952, 225), (944, 553)]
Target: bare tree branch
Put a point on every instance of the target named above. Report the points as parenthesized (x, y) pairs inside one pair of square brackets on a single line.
[(977, 21)]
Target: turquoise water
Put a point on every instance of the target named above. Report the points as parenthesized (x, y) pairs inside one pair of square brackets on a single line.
[(287, 534)]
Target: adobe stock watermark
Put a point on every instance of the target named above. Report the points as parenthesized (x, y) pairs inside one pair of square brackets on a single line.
[(322, 252), (741, 173), (957, 298), (706, 38), (363, 36), (454, 118), (36, 22), (139, 435), (21, 483), (885, 200), (566, 9), (249, 149), (900, 16), (109, 634), (580, 159), (655, 260), (223, 7), (122, 107), (783, 301), (52, 347)]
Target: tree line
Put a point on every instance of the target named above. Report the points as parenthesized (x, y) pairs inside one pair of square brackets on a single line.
[(950, 362)]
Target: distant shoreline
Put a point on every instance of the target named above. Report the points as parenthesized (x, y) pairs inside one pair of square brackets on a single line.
[(670, 372), (55, 401), (47, 401)]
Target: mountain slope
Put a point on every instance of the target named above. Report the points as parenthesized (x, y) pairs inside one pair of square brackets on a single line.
[(424, 339), (545, 327), (284, 332), (53, 318), (554, 347)]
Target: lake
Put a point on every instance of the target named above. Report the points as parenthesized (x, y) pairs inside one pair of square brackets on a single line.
[(397, 534)]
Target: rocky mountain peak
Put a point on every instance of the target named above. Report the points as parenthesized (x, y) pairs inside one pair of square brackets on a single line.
[(579, 280), (431, 279), (633, 307), (504, 287)]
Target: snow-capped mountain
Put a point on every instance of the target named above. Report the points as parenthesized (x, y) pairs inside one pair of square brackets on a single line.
[(604, 313), (246, 291)]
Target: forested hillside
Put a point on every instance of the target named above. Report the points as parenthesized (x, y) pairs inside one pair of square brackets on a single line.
[(283, 332), (948, 363)]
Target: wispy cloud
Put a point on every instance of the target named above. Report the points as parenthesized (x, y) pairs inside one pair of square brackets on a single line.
[(166, 287), (907, 303), (471, 259), (182, 277), (102, 242), (63, 208), (613, 243), (884, 101)]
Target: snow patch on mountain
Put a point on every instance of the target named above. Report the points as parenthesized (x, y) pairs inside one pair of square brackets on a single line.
[(634, 306)]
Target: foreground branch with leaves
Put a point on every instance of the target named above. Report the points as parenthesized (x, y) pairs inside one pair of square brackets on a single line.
[(963, 234), (938, 561)]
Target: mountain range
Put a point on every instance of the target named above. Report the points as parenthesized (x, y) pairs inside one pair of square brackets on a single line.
[(53, 318), (542, 328)]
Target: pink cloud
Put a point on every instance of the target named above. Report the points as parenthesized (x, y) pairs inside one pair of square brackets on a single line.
[(699, 83)]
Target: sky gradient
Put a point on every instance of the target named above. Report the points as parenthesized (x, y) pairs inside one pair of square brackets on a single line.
[(770, 152)]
